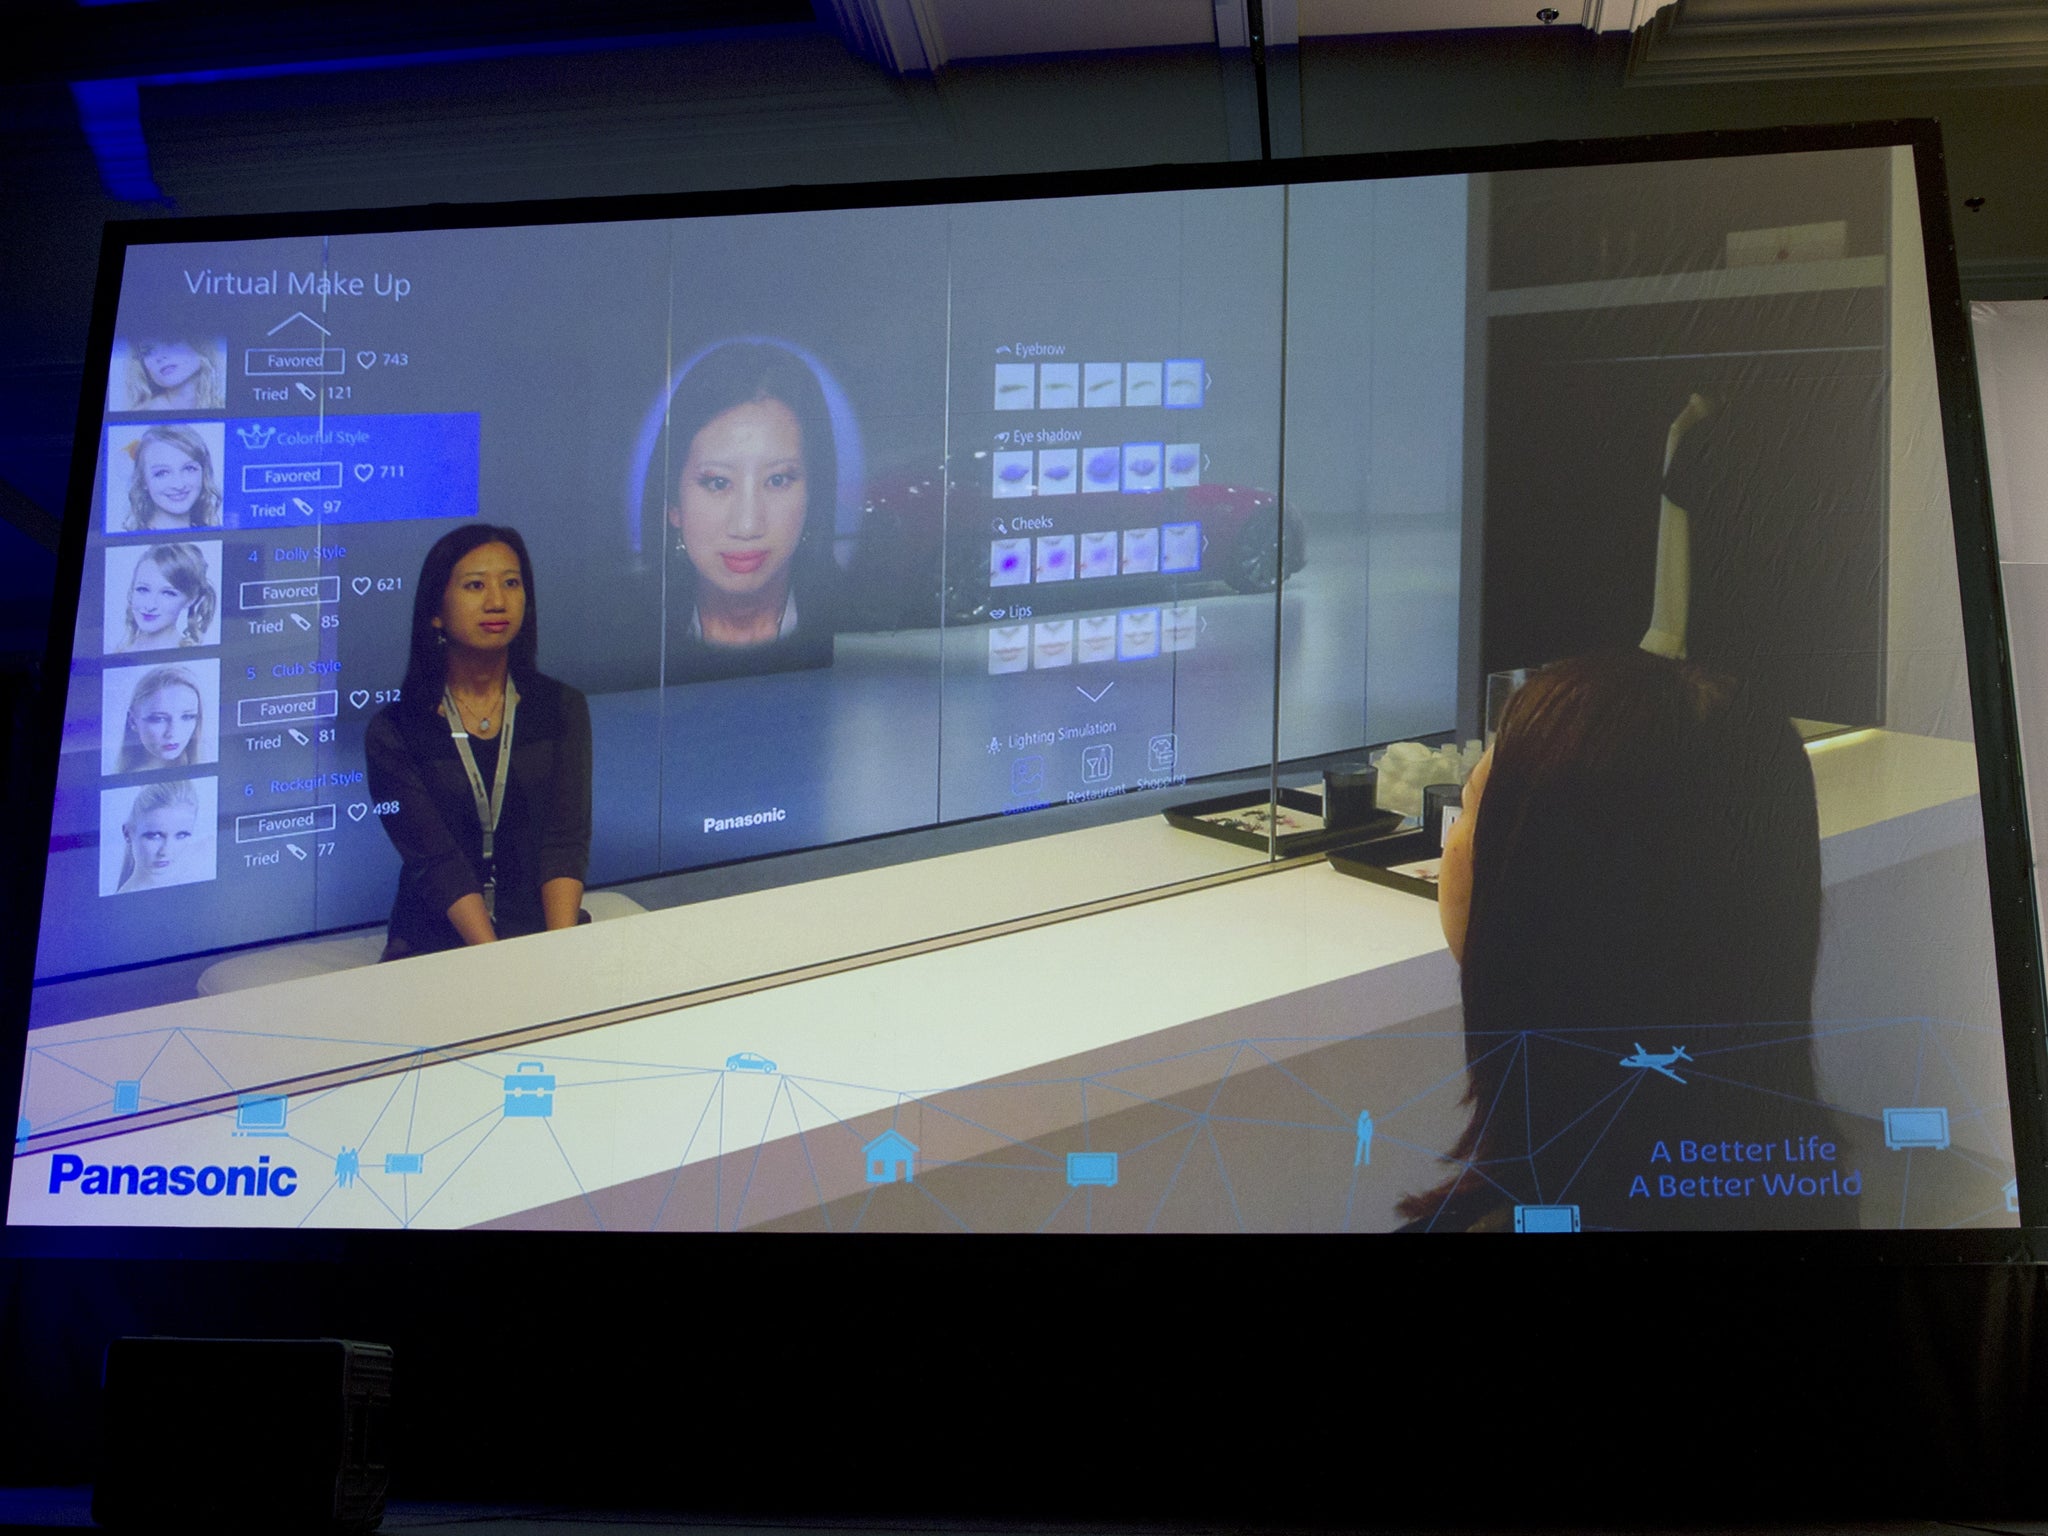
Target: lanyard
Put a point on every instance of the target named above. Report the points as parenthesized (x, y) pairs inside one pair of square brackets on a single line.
[(488, 807)]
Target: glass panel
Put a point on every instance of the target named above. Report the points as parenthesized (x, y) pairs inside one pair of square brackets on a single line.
[(912, 563)]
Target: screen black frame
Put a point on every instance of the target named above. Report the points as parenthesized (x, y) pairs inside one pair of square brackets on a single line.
[(2015, 915)]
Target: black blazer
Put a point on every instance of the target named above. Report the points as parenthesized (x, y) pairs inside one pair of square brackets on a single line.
[(543, 832)]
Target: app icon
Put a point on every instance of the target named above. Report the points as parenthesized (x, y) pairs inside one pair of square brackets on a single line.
[(1546, 1218), (530, 1092), (260, 1114), (1926, 1127), (1096, 1168), (890, 1157)]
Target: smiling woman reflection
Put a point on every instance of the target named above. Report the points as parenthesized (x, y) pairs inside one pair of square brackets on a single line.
[(1636, 872), (482, 768), (161, 834), (751, 516), (173, 485)]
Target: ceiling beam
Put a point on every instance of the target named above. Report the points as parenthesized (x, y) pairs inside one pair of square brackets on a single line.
[(209, 38), (1694, 42)]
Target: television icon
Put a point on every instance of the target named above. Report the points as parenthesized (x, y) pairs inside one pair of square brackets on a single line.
[(1546, 1218), (530, 1092), (1091, 1168), (127, 1096), (260, 1114), (1905, 1129), (405, 1162)]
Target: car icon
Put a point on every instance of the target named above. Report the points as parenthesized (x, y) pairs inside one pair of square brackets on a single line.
[(748, 1061)]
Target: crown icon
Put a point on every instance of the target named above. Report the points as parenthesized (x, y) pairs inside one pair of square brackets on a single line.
[(256, 437)]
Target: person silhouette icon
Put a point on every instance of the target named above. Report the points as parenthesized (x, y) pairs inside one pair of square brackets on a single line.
[(1363, 1154), (347, 1163)]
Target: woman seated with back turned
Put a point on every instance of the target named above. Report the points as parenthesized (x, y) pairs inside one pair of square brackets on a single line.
[(1636, 873), (483, 764)]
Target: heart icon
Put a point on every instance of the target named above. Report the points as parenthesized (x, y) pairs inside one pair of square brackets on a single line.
[(364, 471), (360, 697), (366, 359), (358, 811), (361, 585)]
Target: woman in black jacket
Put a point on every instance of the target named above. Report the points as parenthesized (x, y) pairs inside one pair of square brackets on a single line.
[(482, 767)]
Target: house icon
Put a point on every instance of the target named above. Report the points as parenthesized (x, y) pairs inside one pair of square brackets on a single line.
[(889, 1157)]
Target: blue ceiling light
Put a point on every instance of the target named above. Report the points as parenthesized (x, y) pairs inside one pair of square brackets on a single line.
[(110, 113), (109, 110)]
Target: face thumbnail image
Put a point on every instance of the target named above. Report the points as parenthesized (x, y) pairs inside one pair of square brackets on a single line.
[(1141, 383), (1009, 648), (1137, 634), (159, 371), (160, 834), (162, 597), (1178, 626), (1101, 469), (1056, 470), (1183, 464), (165, 716), (1009, 562), (1142, 466), (1180, 547), (1056, 557), (1095, 638), (1052, 643), (1013, 474), (1014, 385), (1141, 551), (1059, 386), (1098, 555), (165, 477), (1104, 384)]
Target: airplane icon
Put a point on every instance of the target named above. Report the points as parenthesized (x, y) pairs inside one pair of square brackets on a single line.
[(1657, 1063)]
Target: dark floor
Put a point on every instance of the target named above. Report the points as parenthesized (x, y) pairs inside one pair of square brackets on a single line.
[(45, 1509)]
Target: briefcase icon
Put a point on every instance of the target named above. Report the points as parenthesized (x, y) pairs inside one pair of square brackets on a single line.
[(529, 1092)]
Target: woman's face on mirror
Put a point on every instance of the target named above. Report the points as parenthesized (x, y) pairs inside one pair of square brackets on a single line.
[(173, 479), (743, 498), (484, 604), (169, 363), (155, 606), (166, 721), (160, 839), (1454, 878)]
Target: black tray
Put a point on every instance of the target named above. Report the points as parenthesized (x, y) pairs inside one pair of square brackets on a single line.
[(1316, 839), (1374, 860)]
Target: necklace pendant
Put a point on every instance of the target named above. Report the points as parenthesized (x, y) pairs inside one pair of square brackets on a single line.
[(484, 724)]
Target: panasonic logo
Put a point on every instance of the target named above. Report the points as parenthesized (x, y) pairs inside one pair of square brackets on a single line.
[(127, 1179)]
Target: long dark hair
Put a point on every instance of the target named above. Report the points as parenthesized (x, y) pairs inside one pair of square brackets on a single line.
[(736, 374), (426, 670), (1645, 863)]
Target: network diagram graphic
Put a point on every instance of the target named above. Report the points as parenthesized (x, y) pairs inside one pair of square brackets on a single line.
[(1341, 1133)]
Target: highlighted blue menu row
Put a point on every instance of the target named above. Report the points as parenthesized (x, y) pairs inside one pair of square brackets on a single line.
[(295, 471)]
